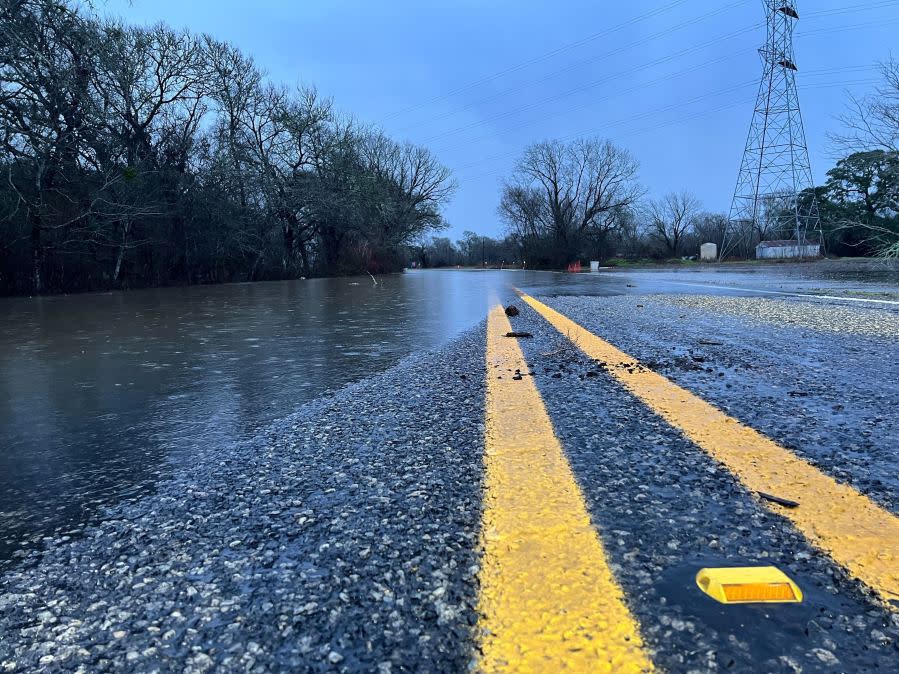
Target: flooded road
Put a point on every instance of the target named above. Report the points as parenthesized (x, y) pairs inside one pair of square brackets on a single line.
[(101, 395), (163, 511)]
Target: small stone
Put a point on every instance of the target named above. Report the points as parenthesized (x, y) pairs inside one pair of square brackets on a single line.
[(825, 656), (790, 664), (201, 663), (334, 657)]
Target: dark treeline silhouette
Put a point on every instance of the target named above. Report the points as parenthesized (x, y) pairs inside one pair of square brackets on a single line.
[(472, 250), (146, 156), (581, 201)]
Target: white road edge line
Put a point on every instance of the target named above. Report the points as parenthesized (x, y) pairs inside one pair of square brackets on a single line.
[(779, 292)]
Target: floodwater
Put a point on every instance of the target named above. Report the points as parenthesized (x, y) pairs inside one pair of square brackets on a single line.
[(103, 395)]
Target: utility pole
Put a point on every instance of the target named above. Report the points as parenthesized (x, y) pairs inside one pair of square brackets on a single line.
[(771, 198)]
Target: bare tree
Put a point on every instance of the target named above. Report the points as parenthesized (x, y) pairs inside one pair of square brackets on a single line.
[(865, 181), (583, 186), (711, 228), (872, 122), (234, 84), (524, 211), (288, 132), (153, 84), (45, 62), (149, 155), (671, 220), (419, 184)]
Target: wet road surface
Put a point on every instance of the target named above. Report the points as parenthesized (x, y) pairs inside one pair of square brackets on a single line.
[(103, 395), (349, 535)]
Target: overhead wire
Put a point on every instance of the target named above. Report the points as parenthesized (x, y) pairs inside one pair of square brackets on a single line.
[(584, 87), (678, 120), (643, 41), (543, 57), (682, 104), (622, 92), (614, 52)]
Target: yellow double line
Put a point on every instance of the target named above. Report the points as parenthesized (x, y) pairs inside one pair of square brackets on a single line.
[(548, 598)]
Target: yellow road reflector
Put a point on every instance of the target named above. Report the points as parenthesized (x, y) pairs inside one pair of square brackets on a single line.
[(548, 601), (852, 529), (749, 584)]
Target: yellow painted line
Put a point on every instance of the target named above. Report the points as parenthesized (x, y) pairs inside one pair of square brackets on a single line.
[(856, 532), (548, 601)]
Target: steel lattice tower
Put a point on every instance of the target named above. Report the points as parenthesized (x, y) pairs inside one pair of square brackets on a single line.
[(768, 200)]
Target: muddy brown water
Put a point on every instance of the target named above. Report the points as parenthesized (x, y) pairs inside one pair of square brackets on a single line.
[(103, 395)]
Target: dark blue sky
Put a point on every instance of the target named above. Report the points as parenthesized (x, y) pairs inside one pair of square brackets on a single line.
[(476, 81)]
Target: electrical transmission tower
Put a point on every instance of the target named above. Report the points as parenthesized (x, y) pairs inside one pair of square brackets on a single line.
[(769, 201)]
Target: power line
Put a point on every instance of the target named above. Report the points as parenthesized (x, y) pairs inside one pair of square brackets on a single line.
[(654, 127), (617, 93), (541, 58), (622, 92), (643, 41), (683, 104), (584, 87), (538, 104), (614, 52)]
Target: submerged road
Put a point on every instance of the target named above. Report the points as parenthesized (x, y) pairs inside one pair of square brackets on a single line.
[(521, 504)]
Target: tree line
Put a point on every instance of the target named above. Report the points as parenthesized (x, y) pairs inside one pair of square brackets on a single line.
[(472, 250), (582, 200), (134, 156)]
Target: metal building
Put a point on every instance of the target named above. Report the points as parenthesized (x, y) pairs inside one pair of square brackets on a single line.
[(790, 248)]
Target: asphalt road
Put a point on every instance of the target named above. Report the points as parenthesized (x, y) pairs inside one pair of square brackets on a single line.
[(348, 537)]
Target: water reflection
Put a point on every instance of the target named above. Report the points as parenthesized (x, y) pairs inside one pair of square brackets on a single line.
[(104, 393)]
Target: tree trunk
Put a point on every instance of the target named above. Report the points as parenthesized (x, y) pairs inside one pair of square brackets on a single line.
[(304, 256), (37, 251), (121, 256), (287, 266)]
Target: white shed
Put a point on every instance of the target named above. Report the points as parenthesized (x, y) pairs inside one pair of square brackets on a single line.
[(708, 252), (788, 248)]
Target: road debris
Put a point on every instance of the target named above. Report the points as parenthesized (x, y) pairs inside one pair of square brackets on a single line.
[(785, 502)]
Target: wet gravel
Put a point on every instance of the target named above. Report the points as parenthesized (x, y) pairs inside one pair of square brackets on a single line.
[(344, 539), (665, 510), (836, 318), (829, 396)]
